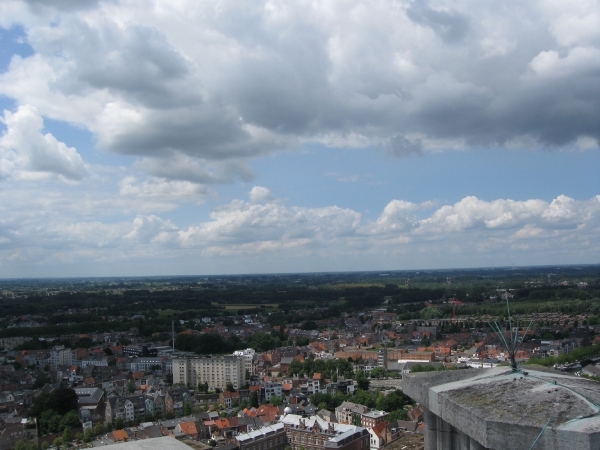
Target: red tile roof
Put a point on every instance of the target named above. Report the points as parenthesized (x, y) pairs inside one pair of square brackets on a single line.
[(188, 427)]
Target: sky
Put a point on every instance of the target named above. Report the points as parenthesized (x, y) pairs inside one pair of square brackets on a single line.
[(210, 137)]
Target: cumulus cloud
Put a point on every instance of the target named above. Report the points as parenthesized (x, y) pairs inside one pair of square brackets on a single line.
[(263, 230), (224, 81), (260, 194), (25, 152), (195, 90)]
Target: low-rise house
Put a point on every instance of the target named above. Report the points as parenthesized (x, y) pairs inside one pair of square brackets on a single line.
[(175, 398), (130, 409), (370, 419), (191, 429), (376, 439), (346, 411), (118, 436), (229, 398), (158, 404)]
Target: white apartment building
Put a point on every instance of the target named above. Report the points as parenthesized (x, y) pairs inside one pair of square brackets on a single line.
[(61, 356), (217, 371), (248, 355)]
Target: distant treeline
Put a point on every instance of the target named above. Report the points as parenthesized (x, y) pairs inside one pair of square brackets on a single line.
[(300, 299)]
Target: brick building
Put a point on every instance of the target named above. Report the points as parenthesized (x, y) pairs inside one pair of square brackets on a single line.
[(370, 419), (272, 437), (313, 433)]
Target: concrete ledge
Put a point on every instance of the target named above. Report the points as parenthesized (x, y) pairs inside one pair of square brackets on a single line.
[(501, 409)]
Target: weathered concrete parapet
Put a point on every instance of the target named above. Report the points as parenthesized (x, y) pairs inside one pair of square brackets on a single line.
[(499, 409)]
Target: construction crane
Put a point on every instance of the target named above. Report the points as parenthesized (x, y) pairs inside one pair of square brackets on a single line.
[(454, 301)]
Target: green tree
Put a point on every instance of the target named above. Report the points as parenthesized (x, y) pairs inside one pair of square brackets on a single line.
[(366, 398), (276, 401), (295, 367), (391, 402), (264, 341), (119, 424), (69, 420), (362, 380), (130, 387), (87, 436), (98, 429), (399, 414), (378, 372), (66, 400), (187, 408), (356, 420), (54, 423), (67, 436), (229, 387)]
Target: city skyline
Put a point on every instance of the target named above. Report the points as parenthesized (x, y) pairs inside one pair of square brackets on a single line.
[(219, 138)]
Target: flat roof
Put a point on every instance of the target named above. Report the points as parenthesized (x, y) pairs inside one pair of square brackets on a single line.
[(163, 443)]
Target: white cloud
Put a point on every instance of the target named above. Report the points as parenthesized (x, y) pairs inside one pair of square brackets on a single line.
[(27, 153), (162, 190), (260, 194), (193, 91), (219, 81), (265, 233)]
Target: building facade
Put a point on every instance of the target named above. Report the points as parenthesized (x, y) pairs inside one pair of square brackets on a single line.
[(248, 355), (313, 433), (272, 437), (61, 356), (373, 418), (217, 371)]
